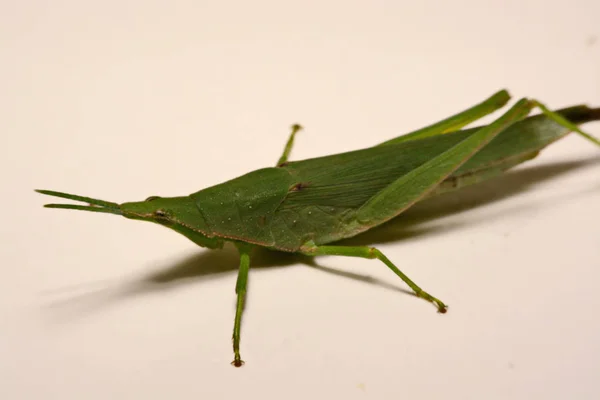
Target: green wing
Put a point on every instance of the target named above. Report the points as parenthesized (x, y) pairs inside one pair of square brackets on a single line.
[(328, 190)]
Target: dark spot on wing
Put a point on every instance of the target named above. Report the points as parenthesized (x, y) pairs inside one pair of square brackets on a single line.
[(298, 187), (284, 164)]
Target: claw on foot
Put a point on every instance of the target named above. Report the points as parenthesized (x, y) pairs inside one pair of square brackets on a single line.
[(442, 308), (237, 362)]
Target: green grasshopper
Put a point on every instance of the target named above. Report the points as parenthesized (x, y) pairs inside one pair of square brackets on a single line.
[(303, 206)]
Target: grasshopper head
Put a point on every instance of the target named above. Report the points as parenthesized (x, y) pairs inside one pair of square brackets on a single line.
[(177, 213), (162, 210)]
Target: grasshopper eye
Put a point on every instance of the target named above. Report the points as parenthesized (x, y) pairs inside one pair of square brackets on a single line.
[(161, 213), (152, 198)]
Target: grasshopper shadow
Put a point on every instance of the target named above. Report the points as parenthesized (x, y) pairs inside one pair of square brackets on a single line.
[(209, 265)]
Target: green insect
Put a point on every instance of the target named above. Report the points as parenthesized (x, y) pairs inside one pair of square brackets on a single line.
[(304, 206)]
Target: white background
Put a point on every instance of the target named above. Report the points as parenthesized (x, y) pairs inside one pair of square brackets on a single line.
[(124, 99)]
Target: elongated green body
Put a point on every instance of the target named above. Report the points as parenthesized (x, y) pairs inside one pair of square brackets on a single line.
[(319, 199), (303, 206)]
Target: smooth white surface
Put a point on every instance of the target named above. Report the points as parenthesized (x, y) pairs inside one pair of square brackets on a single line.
[(124, 99)]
